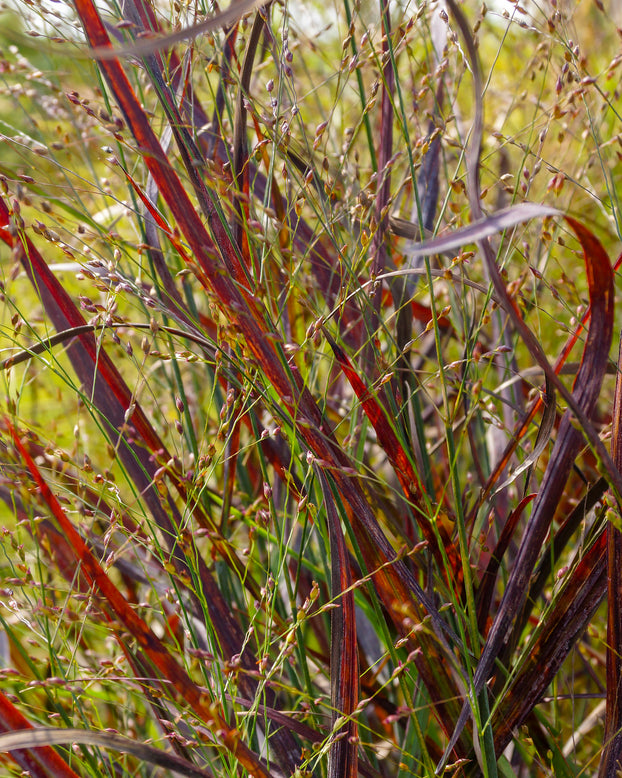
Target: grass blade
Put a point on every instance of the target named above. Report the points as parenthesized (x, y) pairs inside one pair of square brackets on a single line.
[(611, 759), (39, 761), (583, 590), (342, 760), (49, 736)]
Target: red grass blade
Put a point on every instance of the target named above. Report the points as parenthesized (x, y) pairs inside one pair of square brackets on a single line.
[(210, 713), (399, 460), (40, 762), (344, 672)]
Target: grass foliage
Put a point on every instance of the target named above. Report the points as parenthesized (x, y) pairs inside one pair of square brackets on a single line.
[(309, 449)]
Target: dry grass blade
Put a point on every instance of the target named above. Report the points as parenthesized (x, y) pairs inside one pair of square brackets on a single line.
[(49, 736), (399, 459), (484, 227), (142, 48)]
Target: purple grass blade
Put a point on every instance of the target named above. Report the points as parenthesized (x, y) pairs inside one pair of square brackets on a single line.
[(611, 760), (344, 670), (45, 737), (584, 588)]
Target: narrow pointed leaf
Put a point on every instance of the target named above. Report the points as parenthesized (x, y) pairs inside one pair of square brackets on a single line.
[(378, 246), (397, 456), (142, 48), (344, 673), (485, 227), (584, 588)]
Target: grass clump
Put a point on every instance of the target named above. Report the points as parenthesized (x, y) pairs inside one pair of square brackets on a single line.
[(309, 455)]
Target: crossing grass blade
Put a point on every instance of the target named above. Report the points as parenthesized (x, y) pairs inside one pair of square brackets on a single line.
[(47, 737), (41, 761), (570, 612)]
